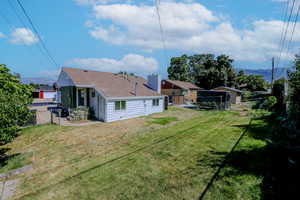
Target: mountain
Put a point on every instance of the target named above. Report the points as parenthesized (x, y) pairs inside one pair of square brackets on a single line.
[(266, 73), (38, 80)]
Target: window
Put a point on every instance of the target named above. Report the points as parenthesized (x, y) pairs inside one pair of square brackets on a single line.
[(120, 105), (81, 97), (155, 102)]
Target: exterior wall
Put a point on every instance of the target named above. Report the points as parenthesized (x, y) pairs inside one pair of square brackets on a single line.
[(167, 85), (234, 96), (170, 92), (191, 96), (64, 80), (134, 108), (68, 97), (238, 99), (49, 95)]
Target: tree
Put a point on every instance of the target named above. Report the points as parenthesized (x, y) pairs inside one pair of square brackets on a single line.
[(179, 69), (294, 96), (205, 70), (14, 100), (251, 82)]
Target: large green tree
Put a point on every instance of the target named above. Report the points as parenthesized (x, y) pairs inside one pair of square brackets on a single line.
[(205, 70), (180, 69), (251, 82), (14, 100), (294, 96)]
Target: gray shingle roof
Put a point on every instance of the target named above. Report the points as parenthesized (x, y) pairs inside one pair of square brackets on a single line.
[(110, 84)]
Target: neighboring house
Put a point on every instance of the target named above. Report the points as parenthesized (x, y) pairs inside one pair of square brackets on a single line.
[(111, 96), (44, 92), (175, 89), (235, 94)]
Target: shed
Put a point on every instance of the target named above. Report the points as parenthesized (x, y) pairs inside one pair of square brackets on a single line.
[(179, 92), (235, 94), (214, 99)]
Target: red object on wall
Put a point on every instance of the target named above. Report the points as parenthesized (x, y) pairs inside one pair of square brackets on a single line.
[(41, 94)]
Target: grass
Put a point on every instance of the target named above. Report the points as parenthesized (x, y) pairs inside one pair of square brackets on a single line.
[(163, 120), (134, 160), (14, 162)]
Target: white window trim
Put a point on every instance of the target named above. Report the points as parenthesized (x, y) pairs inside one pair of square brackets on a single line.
[(120, 110), (157, 103)]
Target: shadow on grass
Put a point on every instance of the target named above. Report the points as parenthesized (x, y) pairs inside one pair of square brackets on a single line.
[(14, 161), (266, 161)]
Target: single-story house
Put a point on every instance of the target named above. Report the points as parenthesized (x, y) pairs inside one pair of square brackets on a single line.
[(111, 96), (44, 92), (235, 94), (174, 89)]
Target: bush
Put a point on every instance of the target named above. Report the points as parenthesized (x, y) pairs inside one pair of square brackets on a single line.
[(14, 100), (268, 103)]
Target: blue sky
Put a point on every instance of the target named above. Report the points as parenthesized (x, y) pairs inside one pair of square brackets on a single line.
[(113, 35)]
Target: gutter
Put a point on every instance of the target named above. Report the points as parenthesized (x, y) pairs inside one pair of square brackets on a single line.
[(133, 98)]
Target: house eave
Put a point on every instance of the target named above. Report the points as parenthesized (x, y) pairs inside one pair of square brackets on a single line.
[(134, 98)]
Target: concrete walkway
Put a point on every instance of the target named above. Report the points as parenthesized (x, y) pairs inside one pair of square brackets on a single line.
[(8, 187)]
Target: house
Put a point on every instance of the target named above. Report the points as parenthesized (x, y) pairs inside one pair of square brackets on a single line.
[(111, 96), (44, 92), (235, 94), (179, 92)]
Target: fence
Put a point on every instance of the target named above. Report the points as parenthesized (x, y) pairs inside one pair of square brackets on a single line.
[(218, 100)]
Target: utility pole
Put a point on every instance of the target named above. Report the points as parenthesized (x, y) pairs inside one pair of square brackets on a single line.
[(273, 72)]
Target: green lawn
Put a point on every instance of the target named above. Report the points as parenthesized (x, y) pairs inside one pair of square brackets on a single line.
[(134, 160)]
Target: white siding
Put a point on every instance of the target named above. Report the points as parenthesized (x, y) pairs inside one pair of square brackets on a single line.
[(97, 103), (49, 95), (134, 108)]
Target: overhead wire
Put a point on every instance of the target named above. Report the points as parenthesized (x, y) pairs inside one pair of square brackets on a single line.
[(285, 32), (14, 9), (162, 34), (37, 33), (293, 31)]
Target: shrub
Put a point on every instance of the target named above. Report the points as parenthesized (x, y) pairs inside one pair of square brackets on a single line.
[(269, 103), (14, 100)]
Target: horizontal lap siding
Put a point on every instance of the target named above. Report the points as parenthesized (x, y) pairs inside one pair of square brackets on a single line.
[(134, 108)]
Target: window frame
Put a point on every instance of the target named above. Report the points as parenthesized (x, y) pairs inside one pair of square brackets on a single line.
[(120, 105), (155, 102)]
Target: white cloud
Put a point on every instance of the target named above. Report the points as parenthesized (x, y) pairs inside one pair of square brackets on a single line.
[(130, 63), (23, 36), (2, 35), (189, 27)]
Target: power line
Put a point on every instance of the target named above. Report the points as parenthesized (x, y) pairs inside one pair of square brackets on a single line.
[(37, 33), (284, 25), (14, 9), (286, 30), (294, 27), (157, 3)]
